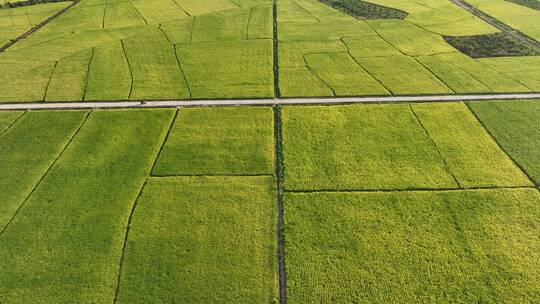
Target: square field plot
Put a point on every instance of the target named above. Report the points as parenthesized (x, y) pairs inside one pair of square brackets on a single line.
[(219, 141), (202, 240), (471, 246), (391, 147)]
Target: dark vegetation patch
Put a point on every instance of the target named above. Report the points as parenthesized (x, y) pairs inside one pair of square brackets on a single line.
[(27, 3), (491, 45), (534, 4), (365, 10)]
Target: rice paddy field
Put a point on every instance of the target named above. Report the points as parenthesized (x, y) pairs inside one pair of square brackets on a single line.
[(405, 202), (380, 204), (106, 50)]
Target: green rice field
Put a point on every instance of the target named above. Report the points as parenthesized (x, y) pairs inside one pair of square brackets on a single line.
[(380, 204), (214, 185), (107, 50)]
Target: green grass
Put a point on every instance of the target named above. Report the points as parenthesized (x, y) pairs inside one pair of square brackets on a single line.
[(519, 17), (26, 83), (404, 75), (515, 126), (65, 243), (69, 78), (28, 149), (240, 69), (202, 240), (472, 155), (219, 141), (493, 79), (7, 119), (155, 70), (410, 39), (226, 26), (215, 39), (340, 72), (476, 246), (370, 46), (522, 69), (392, 147), (359, 147), (457, 79), (16, 21), (108, 62), (301, 82), (291, 53)]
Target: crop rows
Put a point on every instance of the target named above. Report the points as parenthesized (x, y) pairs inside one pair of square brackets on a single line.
[(324, 53), (383, 199), (184, 49), (145, 50)]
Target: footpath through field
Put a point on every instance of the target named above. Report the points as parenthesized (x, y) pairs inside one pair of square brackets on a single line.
[(259, 102)]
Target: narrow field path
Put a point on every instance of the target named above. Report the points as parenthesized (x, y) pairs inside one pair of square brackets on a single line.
[(498, 24), (259, 102)]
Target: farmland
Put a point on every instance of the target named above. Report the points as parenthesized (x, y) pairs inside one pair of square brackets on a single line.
[(377, 192), (182, 49), (222, 170)]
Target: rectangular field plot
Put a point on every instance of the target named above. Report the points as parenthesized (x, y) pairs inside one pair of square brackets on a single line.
[(240, 69), (27, 150), (359, 147), (410, 39), (404, 75), (472, 155), (521, 69), (202, 240), (474, 246), (514, 125), (155, 69), (27, 82), (391, 147), (340, 72), (219, 141), (64, 245), (301, 82), (69, 78), (109, 62)]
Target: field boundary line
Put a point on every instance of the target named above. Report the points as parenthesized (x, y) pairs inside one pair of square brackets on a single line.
[(181, 70), (529, 177), (21, 205), (38, 26), (315, 74), (169, 131), (487, 188), (426, 132), (134, 208), (49, 81), (277, 92), (126, 235), (280, 233), (262, 102), (88, 73), (129, 68), (138, 12), (12, 123)]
